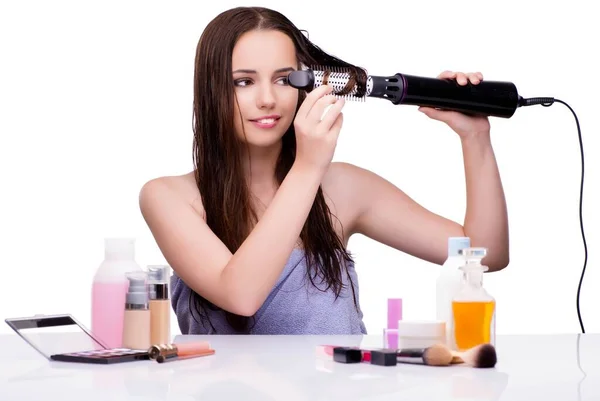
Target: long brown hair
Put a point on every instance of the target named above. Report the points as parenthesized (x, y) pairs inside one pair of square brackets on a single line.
[(218, 153)]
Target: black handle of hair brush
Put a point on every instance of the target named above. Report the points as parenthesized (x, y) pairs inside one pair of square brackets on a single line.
[(489, 98)]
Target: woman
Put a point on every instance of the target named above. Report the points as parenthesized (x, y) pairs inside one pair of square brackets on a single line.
[(257, 233)]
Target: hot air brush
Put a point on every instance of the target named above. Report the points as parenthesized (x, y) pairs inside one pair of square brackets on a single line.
[(489, 98)]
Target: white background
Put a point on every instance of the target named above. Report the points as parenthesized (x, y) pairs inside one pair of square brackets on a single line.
[(95, 100)]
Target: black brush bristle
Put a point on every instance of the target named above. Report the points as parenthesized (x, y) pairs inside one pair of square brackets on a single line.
[(336, 69), (486, 357)]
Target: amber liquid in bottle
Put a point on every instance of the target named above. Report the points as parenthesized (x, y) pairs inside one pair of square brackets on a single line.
[(473, 323), (473, 308)]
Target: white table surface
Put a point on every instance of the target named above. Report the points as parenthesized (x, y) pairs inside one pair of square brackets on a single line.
[(547, 367)]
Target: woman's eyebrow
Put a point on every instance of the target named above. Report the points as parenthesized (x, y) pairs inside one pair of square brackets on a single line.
[(277, 71)]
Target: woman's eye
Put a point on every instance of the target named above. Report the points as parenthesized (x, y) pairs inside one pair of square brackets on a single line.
[(242, 82), (246, 81)]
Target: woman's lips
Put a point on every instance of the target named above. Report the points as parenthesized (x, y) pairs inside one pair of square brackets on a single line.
[(266, 122)]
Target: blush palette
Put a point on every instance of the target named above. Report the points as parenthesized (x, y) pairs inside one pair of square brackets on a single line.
[(103, 356)]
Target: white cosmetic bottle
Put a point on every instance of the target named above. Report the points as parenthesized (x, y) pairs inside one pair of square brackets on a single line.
[(449, 283)]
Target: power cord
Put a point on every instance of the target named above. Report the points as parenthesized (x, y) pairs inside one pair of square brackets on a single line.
[(580, 369), (546, 102)]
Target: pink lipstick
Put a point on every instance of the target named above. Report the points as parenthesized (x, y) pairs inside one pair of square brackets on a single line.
[(266, 121)]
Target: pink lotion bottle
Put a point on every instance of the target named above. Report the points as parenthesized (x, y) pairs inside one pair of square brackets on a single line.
[(109, 287)]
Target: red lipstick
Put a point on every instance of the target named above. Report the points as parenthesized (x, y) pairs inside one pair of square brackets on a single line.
[(344, 354)]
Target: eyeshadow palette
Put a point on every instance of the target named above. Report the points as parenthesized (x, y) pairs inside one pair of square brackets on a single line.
[(103, 356), (61, 337)]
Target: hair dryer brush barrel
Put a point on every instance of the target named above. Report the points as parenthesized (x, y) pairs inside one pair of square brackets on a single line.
[(489, 98)]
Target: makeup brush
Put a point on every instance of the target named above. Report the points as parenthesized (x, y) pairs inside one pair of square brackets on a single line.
[(435, 355), (480, 356)]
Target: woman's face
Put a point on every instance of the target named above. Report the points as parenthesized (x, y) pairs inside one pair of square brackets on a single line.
[(266, 104)]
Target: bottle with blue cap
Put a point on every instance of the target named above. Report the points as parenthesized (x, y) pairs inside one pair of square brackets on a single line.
[(449, 283)]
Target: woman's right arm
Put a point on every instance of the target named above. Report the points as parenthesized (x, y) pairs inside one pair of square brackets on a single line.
[(241, 282)]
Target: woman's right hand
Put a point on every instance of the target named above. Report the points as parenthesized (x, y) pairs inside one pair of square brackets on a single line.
[(316, 138)]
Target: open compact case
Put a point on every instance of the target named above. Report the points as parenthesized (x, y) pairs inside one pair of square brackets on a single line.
[(62, 338)]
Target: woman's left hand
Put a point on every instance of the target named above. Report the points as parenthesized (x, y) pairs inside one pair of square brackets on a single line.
[(464, 125)]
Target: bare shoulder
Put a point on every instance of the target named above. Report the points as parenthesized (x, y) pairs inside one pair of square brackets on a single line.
[(338, 178), (346, 171), (179, 188)]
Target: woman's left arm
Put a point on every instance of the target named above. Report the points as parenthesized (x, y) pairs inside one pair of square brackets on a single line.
[(388, 215), (486, 220)]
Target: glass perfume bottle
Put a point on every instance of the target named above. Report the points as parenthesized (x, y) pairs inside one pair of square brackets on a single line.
[(473, 308)]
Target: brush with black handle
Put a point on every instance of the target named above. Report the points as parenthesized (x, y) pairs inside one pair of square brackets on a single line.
[(489, 98)]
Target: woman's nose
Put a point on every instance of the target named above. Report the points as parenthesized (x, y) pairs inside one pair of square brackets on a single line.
[(265, 97)]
